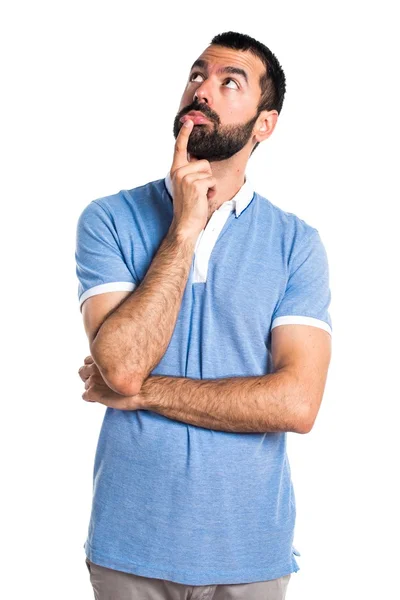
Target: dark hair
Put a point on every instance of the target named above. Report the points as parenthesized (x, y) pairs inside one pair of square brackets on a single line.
[(272, 82)]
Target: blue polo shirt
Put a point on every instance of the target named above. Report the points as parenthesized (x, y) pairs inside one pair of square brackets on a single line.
[(172, 500)]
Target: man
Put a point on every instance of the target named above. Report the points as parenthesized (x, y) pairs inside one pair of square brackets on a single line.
[(206, 309)]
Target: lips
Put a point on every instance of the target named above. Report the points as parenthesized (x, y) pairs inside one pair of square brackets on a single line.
[(197, 117)]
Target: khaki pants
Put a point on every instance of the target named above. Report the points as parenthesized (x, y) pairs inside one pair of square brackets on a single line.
[(109, 584)]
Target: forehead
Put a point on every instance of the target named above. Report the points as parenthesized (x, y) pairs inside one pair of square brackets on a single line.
[(218, 56)]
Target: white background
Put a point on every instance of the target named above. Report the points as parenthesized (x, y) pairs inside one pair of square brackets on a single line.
[(90, 92)]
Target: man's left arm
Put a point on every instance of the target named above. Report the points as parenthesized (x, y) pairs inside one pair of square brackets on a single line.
[(286, 400)]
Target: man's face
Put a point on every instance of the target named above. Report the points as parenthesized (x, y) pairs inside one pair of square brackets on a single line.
[(227, 101)]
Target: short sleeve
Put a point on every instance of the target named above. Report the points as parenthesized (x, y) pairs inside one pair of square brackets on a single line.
[(100, 266), (307, 296)]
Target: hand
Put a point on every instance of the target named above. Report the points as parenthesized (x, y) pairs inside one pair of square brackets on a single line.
[(191, 181), (96, 389)]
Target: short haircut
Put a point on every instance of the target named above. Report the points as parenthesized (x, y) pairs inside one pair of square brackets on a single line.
[(272, 82)]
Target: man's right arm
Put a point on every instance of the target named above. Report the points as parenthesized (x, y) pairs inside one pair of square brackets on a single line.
[(131, 341), (134, 337)]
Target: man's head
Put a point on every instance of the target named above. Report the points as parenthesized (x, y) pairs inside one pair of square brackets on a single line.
[(239, 86)]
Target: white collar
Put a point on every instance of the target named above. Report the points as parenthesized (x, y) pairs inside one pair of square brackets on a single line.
[(239, 202)]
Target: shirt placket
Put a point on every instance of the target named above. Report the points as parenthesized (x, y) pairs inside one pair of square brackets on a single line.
[(207, 240)]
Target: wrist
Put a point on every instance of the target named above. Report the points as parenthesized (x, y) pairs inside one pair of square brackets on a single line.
[(142, 400), (183, 234)]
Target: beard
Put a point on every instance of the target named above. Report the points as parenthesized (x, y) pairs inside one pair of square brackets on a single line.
[(213, 141)]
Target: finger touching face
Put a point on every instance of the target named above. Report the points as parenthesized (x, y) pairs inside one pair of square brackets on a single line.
[(180, 152)]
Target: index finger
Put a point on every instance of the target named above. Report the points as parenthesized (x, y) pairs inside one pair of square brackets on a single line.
[(180, 152)]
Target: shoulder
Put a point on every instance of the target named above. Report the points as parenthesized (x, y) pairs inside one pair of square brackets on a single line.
[(286, 225), (122, 202)]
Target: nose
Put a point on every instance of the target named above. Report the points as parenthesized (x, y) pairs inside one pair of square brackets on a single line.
[(203, 93)]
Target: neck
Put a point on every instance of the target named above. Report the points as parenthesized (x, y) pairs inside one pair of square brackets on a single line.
[(230, 176)]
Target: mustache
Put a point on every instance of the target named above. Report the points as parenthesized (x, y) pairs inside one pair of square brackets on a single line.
[(203, 108)]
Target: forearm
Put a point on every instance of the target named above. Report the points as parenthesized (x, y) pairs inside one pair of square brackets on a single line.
[(134, 338), (268, 403)]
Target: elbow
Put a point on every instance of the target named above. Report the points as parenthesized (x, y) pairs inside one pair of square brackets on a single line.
[(117, 381), (120, 385), (304, 428), (306, 423), (123, 384), (126, 387)]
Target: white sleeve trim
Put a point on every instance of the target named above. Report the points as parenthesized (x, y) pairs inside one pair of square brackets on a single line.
[(299, 320), (114, 286)]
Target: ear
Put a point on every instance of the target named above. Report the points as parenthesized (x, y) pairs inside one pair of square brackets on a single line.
[(265, 125)]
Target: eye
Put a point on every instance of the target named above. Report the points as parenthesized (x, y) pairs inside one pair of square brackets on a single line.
[(195, 75), (235, 82)]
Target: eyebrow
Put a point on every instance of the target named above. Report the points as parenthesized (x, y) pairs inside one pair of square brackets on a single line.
[(203, 64)]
